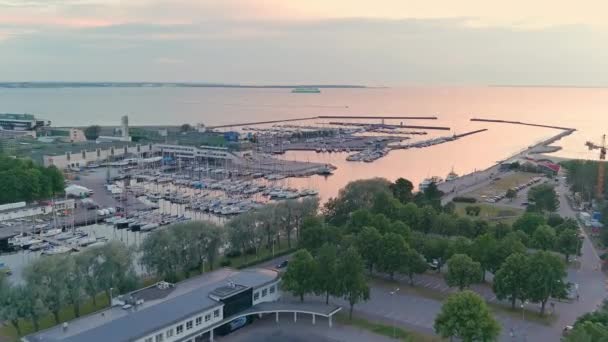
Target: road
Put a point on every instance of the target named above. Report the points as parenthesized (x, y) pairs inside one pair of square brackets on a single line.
[(266, 329)]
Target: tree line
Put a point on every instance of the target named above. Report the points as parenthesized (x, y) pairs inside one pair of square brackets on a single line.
[(53, 283), (194, 247), (393, 234), (23, 180), (334, 271)]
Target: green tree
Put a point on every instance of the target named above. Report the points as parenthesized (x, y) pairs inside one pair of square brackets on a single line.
[(392, 254), (369, 243), (546, 278), (402, 190), (568, 243), (47, 278), (505, 247), (115, 268), (33, 308), (326, 264), (298, 278), (511, 194), (351, 276), (410, 215), (75, 284), (414, 263), (437, 248), (544, 198), (314, 234), (465, 315), (384, 203), (544, 238), (184, 128), (483, 251), (511, 280), (92, 132), (528, 222), (400, 228), (356, 195), (588, 332), (13, 306), (462, 271), (159, 255), (472, 210), (555, 220)]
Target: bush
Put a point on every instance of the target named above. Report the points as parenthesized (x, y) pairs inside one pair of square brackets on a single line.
[(250, 251), (226, 262), (462, 199)]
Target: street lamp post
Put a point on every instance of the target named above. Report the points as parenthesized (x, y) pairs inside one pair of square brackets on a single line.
[(395, 322)]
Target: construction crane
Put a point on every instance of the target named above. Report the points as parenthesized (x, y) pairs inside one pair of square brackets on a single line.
[(601, 168)]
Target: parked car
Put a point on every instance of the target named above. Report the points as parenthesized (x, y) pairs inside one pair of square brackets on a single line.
[(283, 264), (434, 264)]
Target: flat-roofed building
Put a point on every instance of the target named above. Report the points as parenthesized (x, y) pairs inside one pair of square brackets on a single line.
[(189, 311), (164, 312), (21, 122)]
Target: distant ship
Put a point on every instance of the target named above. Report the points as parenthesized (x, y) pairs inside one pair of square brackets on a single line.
[(306, 90), (428, 181)]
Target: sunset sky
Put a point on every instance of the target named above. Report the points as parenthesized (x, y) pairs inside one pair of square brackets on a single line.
[(381, 42)]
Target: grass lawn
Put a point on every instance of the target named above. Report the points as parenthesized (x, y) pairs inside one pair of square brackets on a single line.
[(492, 212), (385, 329)]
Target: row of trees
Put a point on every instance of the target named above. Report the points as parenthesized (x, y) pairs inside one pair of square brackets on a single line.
[(333, 271), (22, 180), (187, 248), (175, 253), (269, 225), (55, 282), (582, 177), (533, 277)]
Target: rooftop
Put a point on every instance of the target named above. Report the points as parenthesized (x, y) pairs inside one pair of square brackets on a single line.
[(182, 300), (12, 116)]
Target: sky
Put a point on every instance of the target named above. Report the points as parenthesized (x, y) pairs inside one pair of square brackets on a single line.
[(380, 42)]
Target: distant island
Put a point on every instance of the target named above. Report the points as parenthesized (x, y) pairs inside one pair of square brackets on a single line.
[(161, 85)]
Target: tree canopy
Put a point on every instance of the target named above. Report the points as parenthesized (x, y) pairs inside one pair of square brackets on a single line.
[(511, 280), (22, 180), (92, 132), (352, 284), (299, 277), (462, 271), (465, 315), (543, 198)]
